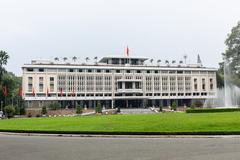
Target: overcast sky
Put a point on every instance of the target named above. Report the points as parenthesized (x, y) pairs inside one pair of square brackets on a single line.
[(160, 29)]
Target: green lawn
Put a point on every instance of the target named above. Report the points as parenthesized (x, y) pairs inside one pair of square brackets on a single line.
[(224, 123)]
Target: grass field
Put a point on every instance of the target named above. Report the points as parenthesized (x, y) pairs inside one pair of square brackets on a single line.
[(164, 123)]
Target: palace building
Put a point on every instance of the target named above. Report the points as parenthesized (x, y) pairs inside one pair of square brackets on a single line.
[(125, 82)]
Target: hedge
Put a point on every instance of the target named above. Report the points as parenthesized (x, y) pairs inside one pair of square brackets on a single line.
[(212, 110)]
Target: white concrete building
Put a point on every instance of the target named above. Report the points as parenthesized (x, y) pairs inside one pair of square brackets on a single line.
[(116, 82)]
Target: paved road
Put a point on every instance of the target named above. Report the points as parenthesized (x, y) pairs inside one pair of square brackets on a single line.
[(76, 148)]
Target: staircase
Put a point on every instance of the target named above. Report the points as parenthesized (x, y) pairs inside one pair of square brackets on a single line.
[(136, 111)]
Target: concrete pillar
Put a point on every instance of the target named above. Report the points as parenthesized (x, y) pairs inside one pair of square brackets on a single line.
[(134, 85), (113, 104), (94, 103)]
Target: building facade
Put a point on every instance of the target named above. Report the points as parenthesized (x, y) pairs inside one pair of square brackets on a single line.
[(116, 82)]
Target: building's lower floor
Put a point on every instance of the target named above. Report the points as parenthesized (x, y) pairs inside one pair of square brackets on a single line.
[(118, 103)]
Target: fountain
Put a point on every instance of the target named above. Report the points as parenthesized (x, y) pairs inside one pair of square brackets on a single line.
[(229, 95)]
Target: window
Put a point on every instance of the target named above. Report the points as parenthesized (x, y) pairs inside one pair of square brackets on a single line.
[(195, 84), (172, 72), (30, 84), (128, 71), (118, 71), (41, 70), (70, 70), (148, 71), (203, 84), (98, 70), (180, 72), (89, 70), (107, 71), (80, 70), (138, 71), (51, 84), (211, 84), (40, 84), (30, 69)]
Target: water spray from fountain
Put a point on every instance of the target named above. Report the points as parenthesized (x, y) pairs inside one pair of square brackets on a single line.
[(229, 95)]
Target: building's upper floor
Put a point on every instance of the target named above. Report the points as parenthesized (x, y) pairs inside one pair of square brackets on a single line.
[(113, 64)]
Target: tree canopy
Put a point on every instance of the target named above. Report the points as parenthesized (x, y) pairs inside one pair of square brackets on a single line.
[(232, 54)]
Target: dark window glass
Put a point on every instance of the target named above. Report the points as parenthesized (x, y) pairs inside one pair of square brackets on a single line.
[(29, 69), (41, 70)]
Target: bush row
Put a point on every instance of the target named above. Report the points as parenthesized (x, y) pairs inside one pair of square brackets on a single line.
[(212, 110)]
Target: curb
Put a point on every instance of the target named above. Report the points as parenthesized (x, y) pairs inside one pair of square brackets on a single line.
[(116, 136)]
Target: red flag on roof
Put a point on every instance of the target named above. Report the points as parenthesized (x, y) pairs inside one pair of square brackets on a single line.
[(127, 51), (5, 93)]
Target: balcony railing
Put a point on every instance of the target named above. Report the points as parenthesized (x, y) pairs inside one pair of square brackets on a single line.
[(129, 90)]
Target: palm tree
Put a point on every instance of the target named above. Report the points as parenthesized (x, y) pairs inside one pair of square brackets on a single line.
[(158, 61), (87, 59), (3, 61), (65, 59), (173, 61), (56, 59), (166, 62), (180, 62), (151, 60), (185, 58), (96, 58), (74, 58)]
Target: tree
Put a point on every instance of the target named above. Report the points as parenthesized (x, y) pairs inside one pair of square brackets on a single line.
[(79, 109), (192, 106), (74, 58), (98, 108), (96, 58), (56, 59), (9, 111), (174, 106), (160, 108), (232, 54), (3, 61), (65, 59), (44, 110), (54, 106), (87, 59)]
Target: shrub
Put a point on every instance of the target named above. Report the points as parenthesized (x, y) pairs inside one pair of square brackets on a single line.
[(192, 106), (212, 110), (160, 108), (79, 109), (54, 106), (118, 110), (17, 110), (174, 106), (38, 115), (198, 104), (29, 115), (44, 110), (98, 108), (22, 110), (10, 111)]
